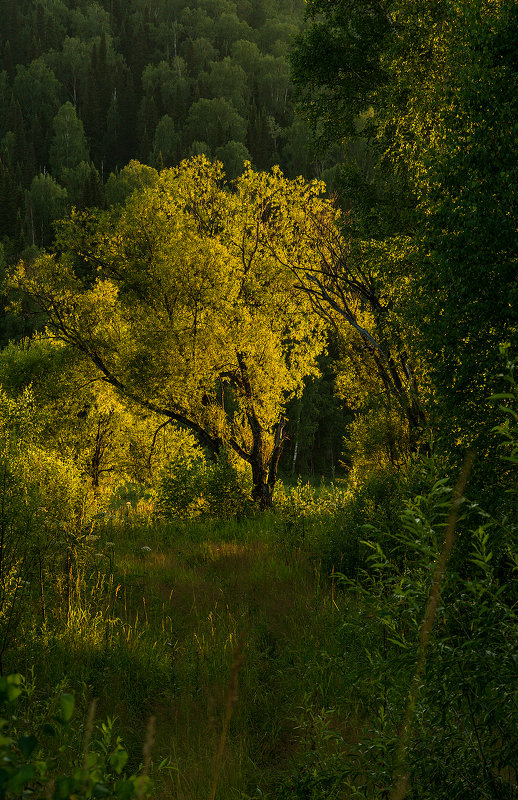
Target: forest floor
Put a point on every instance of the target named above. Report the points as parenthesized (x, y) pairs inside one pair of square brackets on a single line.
[(232, 640)]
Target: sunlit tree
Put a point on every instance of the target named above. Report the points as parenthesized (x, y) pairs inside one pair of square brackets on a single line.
[(187, 310)]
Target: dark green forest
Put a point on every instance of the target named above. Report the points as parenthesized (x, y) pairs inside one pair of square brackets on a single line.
[(258, 399), (87, 87)]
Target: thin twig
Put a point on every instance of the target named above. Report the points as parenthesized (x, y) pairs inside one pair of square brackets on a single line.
[(89, 727)]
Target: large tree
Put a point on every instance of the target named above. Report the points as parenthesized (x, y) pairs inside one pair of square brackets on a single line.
[(185, 308), (439, 80)]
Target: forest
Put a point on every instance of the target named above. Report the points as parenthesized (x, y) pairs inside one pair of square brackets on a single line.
[(258, 399)]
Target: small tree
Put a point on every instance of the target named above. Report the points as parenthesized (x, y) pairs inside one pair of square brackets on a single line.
[(69, 146)]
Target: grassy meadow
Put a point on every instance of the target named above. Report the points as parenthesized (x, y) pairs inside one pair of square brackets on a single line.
[(352, 642), (276, 655), (201, 625), (289, 654)]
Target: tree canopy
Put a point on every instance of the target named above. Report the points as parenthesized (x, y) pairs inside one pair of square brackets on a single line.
[(185, 307), (439, 85)]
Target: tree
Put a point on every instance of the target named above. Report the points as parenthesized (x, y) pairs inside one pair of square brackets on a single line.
[(50, 23), (46, 201), (198, 53), (4, 101), (71, 66), (165, 142), (185, 309), (228, 79), (133, 177), (337, 64), (460, 143), (10, 199), (356, 285), (80, 416), (168, 86), (441, 81), (276, 36), (38, 91), (229, 29), (247, 55), (93, 22), (273, 88), (69, 146), (297, 150), (196, 22), (214, 121), (233, 156)]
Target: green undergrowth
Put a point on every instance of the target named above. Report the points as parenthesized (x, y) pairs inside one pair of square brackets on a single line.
[(159, 612), (285, 655)]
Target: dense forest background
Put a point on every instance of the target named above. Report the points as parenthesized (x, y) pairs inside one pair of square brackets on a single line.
[(258, 399), (86, 87)]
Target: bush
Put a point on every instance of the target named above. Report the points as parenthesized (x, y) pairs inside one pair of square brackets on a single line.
[(191, 487), (465, 733), (437, 703), (30, 756), (328, 521), (42, 507)]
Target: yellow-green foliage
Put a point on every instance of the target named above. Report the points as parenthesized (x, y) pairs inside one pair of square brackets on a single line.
[(43, 503), (192, 487), (187, 301)]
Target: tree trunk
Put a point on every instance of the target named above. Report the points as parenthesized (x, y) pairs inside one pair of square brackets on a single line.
[(265, 464), (262, 493)]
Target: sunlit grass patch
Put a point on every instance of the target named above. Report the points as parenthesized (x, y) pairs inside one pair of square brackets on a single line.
[(155, 622)]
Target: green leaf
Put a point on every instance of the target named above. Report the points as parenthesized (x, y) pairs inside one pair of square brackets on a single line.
[(67, 703), (14, 686), (92, 759), (27, 745), (118, 760), (22, 776), (124, 790), (100, 790), (13, 692), (64, 788), (501, 396)]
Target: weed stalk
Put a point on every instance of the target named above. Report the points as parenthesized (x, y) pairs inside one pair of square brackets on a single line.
[(401, 777)]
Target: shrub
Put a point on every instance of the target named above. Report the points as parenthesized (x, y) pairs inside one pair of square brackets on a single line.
[(42, 506), (328, 521), (30, 756), (192, 487), (465, 737)]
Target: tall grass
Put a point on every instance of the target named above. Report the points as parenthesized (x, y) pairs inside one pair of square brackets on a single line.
[(159, 617)]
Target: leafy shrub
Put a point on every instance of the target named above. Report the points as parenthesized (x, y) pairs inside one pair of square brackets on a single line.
[(180, 491), (328, 521), (226, 490), (304, 511), (30, 757), (465, 736), (192, 487), (457, 737), (42, 506)]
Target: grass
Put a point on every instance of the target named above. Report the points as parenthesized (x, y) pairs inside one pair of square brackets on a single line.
[(157, 620), (266, 672)]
